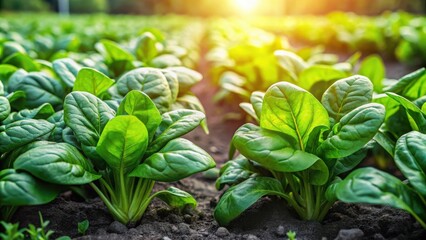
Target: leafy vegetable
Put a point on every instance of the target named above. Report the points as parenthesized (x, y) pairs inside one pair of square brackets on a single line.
[(299, 147), (134, 150)]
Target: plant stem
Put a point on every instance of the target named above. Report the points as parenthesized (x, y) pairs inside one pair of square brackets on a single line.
[(123, 187), (117, 213), (309, 199), (145, 191)]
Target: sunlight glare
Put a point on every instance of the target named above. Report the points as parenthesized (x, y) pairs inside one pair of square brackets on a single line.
[(246, 6)]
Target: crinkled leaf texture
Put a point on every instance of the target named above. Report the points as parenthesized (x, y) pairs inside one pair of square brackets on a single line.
[(87, 116), (292, 110), (58, 163), (178, 159), (354, 130), (174, 124), (152, 82), (345, 95), (19, 133)]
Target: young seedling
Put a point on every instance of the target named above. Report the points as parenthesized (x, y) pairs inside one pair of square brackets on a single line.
[(83, 226)]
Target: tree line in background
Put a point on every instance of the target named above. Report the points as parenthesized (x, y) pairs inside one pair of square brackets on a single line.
[(212, 8)]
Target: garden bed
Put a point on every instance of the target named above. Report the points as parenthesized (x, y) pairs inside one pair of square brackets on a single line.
[(267, 219)]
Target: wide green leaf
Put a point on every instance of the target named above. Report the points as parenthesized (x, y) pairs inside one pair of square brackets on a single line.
[(87, 116), (240, 197), (292, 110), (92, 81), (291, 63), (174, 124), (15, 80), (415, 115), (4, 108), (42, 112), (118, 59), (114, 52), (411, 86), (173, 82), (165, 61), (186, 78), (58, 163), (40, 89), (236, 171), (410, 157), (22, 132), (138, 104), (368, 185), (373, 68), (150, 81), (345, 95), (348, 163), (21, 60), (276, 151), (67, 70), (176, 198), (354, 130), (180, 158), (391, 105), (20, 188), (123, 143), (316, 73), (146, 48)]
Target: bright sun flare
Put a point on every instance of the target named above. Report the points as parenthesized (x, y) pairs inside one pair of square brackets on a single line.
[(246, 6)]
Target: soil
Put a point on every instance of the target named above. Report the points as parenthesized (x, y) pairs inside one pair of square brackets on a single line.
[(267, 219)]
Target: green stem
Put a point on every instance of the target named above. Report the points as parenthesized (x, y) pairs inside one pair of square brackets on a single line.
[(324, 209), (123, 187), (108, 188), (117, 213), (292, 201), (308, 197), (318, 200), (294, 188), (138, 197), (147, 189)]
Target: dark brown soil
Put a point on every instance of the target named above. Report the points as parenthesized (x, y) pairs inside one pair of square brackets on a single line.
[(267, 219)]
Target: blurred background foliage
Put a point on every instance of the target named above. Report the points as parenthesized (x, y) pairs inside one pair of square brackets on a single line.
[(217, 7)]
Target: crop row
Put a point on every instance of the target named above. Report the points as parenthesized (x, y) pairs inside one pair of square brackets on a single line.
[(82, 103)]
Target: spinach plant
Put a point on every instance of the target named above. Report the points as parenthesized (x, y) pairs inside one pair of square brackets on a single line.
[(18, 130), (403, 100), (369, 185), (299, 148), (133, 148)]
